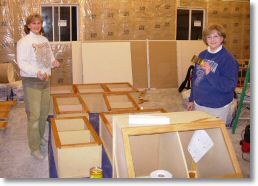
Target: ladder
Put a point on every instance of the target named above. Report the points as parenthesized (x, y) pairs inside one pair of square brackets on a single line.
[(242, 99)]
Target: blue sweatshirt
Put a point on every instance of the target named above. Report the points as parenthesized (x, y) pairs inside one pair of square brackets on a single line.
[(215, 89)]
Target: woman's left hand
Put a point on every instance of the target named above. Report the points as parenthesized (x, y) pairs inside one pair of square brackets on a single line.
[(55, 64)]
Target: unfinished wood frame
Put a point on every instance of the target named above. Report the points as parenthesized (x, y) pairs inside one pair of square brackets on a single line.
[(120, 87), (62, 89), (219, 162), (120, 101), (94, 101), (106, 129), (90, 88), (76, 146), (67, 104)]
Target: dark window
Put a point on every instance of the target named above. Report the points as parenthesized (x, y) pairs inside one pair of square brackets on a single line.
[(196, 24), (60, 22), (74, 23), (64, 23), (192, 31), (47, 26), (182, 24)]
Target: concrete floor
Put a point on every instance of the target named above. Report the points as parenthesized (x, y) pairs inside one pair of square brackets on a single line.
[(16, 161)]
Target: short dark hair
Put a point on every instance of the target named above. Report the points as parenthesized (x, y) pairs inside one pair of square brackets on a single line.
[(207, 31), (31, 18)]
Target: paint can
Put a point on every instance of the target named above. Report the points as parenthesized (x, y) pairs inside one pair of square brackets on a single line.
[(96, 172)]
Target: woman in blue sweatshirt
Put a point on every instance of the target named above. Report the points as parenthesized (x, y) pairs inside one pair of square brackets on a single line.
[(214, 81)]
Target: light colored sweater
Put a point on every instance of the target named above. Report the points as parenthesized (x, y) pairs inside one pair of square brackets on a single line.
[(34, 54)]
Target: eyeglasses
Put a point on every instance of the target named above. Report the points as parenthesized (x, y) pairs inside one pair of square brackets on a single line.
[(213, 37)]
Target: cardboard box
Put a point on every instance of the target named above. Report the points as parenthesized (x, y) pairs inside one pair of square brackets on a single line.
[(76, 147)]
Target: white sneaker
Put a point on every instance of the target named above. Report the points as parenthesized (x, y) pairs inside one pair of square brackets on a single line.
[(37, 154)]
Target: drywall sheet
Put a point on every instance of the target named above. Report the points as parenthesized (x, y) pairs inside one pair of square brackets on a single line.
[(106, 62), (139, 64), (77, 62), (185, 51), (163, 64)]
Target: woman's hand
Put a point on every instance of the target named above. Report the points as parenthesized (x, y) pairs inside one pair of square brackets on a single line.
[(206, 67), (190, 106), (55, 64), (42, 76)]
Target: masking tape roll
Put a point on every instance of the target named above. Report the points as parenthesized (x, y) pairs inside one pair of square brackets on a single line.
[(161, 174)]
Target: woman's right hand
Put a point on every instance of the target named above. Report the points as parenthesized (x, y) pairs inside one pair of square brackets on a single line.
[(42, 76), (190, 106)]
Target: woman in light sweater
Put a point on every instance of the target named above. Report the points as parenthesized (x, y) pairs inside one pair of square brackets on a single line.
[(35, 60), (214, 81)]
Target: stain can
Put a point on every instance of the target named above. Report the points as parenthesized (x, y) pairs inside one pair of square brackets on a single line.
[(96, 172)]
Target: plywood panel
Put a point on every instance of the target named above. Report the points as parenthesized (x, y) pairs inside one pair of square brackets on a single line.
[(139, 64), (185, 52), (106, 62), (163, 64)]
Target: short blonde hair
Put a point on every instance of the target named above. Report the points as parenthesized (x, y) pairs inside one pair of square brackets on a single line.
[(30, 19), (208, 30)]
